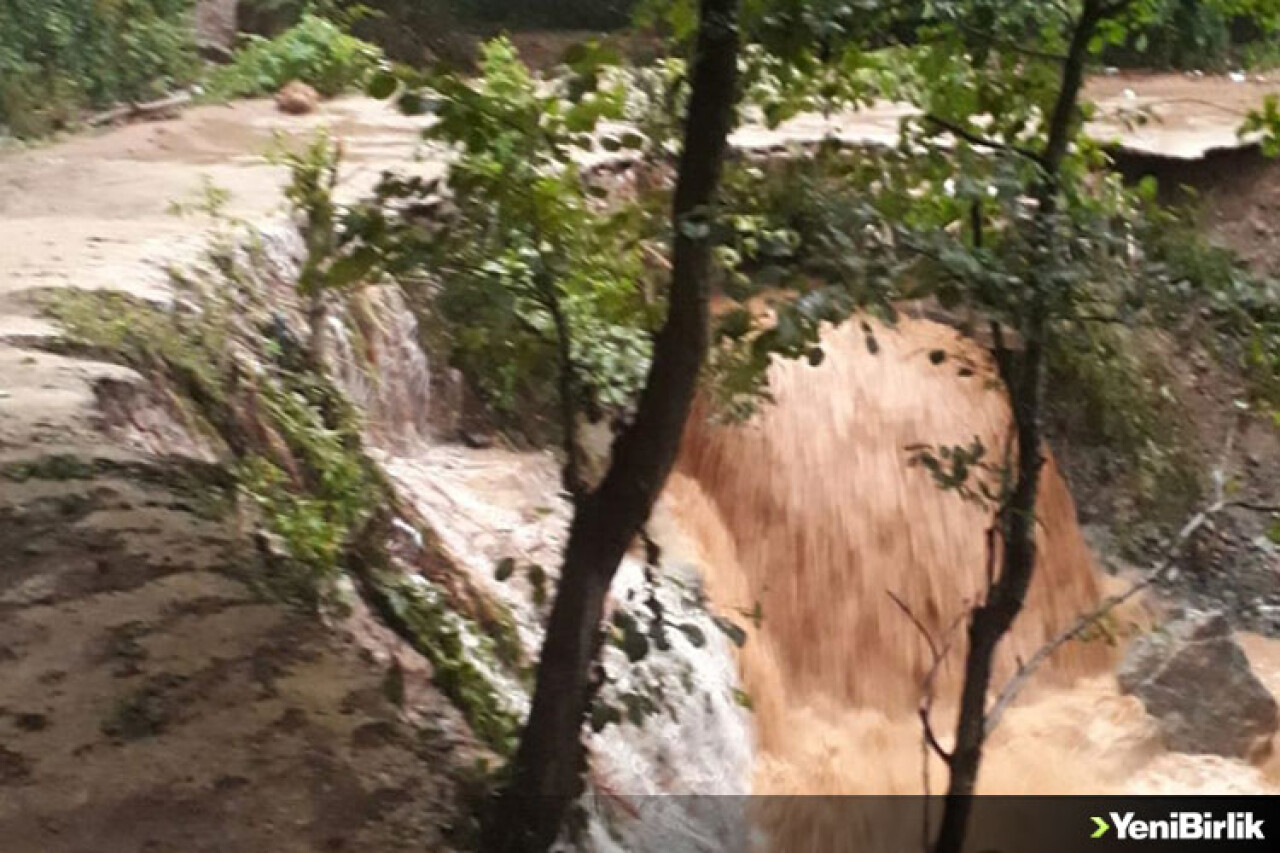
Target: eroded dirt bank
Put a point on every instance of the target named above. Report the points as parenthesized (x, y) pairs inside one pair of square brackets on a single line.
[(150, 697)]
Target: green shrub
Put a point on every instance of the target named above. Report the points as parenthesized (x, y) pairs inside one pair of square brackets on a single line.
[(537, 279), (409, 31), (1191, 34), (58, 57), (315, 51)]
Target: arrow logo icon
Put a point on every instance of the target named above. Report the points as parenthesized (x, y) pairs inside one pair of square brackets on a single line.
[(1102, 825)]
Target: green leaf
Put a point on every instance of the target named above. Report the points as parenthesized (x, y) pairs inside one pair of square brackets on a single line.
[(635, 709), (412, 104), (694, 633), (578, 53), (538, 579), (602, 715), (734, 632), (735, 324), (382, 85), (633, 641), (352, 268)]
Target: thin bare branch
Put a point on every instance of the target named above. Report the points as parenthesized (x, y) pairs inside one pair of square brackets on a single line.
[(924, 632), (982, 141), (1265, 509), (929, 691), (938, 655)]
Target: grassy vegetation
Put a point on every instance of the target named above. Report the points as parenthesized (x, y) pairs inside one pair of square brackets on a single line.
[(293, 444), (61, 57), (1242, 308), (462, 658), (315, 51)]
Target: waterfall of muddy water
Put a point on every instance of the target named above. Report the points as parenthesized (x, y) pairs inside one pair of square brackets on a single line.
[(812, 511), (379, 362)]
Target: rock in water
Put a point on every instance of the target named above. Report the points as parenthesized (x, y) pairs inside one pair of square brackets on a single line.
[(1194, 678), (297, 99)]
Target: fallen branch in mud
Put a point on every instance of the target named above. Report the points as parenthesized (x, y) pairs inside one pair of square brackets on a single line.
[(132, 111)]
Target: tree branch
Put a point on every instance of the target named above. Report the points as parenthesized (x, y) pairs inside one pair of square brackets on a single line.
[(982, 141), (1013, 47), (938, 655), (545, 775)]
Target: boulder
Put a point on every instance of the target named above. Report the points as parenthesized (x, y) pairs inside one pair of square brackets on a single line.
[(1194, 678), (216, 22), (297, 99)]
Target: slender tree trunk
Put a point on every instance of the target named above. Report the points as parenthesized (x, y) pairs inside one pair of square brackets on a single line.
[(318, 321), (572, 475), (546, 773), (992, 620)]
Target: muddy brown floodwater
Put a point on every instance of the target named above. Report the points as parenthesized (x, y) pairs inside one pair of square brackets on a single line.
[(827, 520)]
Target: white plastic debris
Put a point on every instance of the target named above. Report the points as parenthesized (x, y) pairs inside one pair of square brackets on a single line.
[(1237, 76)]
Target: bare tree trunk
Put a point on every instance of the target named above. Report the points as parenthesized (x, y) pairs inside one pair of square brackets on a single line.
[(992, 620), (546, 773)]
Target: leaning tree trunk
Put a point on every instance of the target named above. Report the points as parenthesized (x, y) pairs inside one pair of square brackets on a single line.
[(546, 773), (993, 619), (318, 323)]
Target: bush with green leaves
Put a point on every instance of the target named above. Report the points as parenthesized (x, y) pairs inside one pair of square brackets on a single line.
[(1203, 34), (59, 57), (315, 51), (543, 292)]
